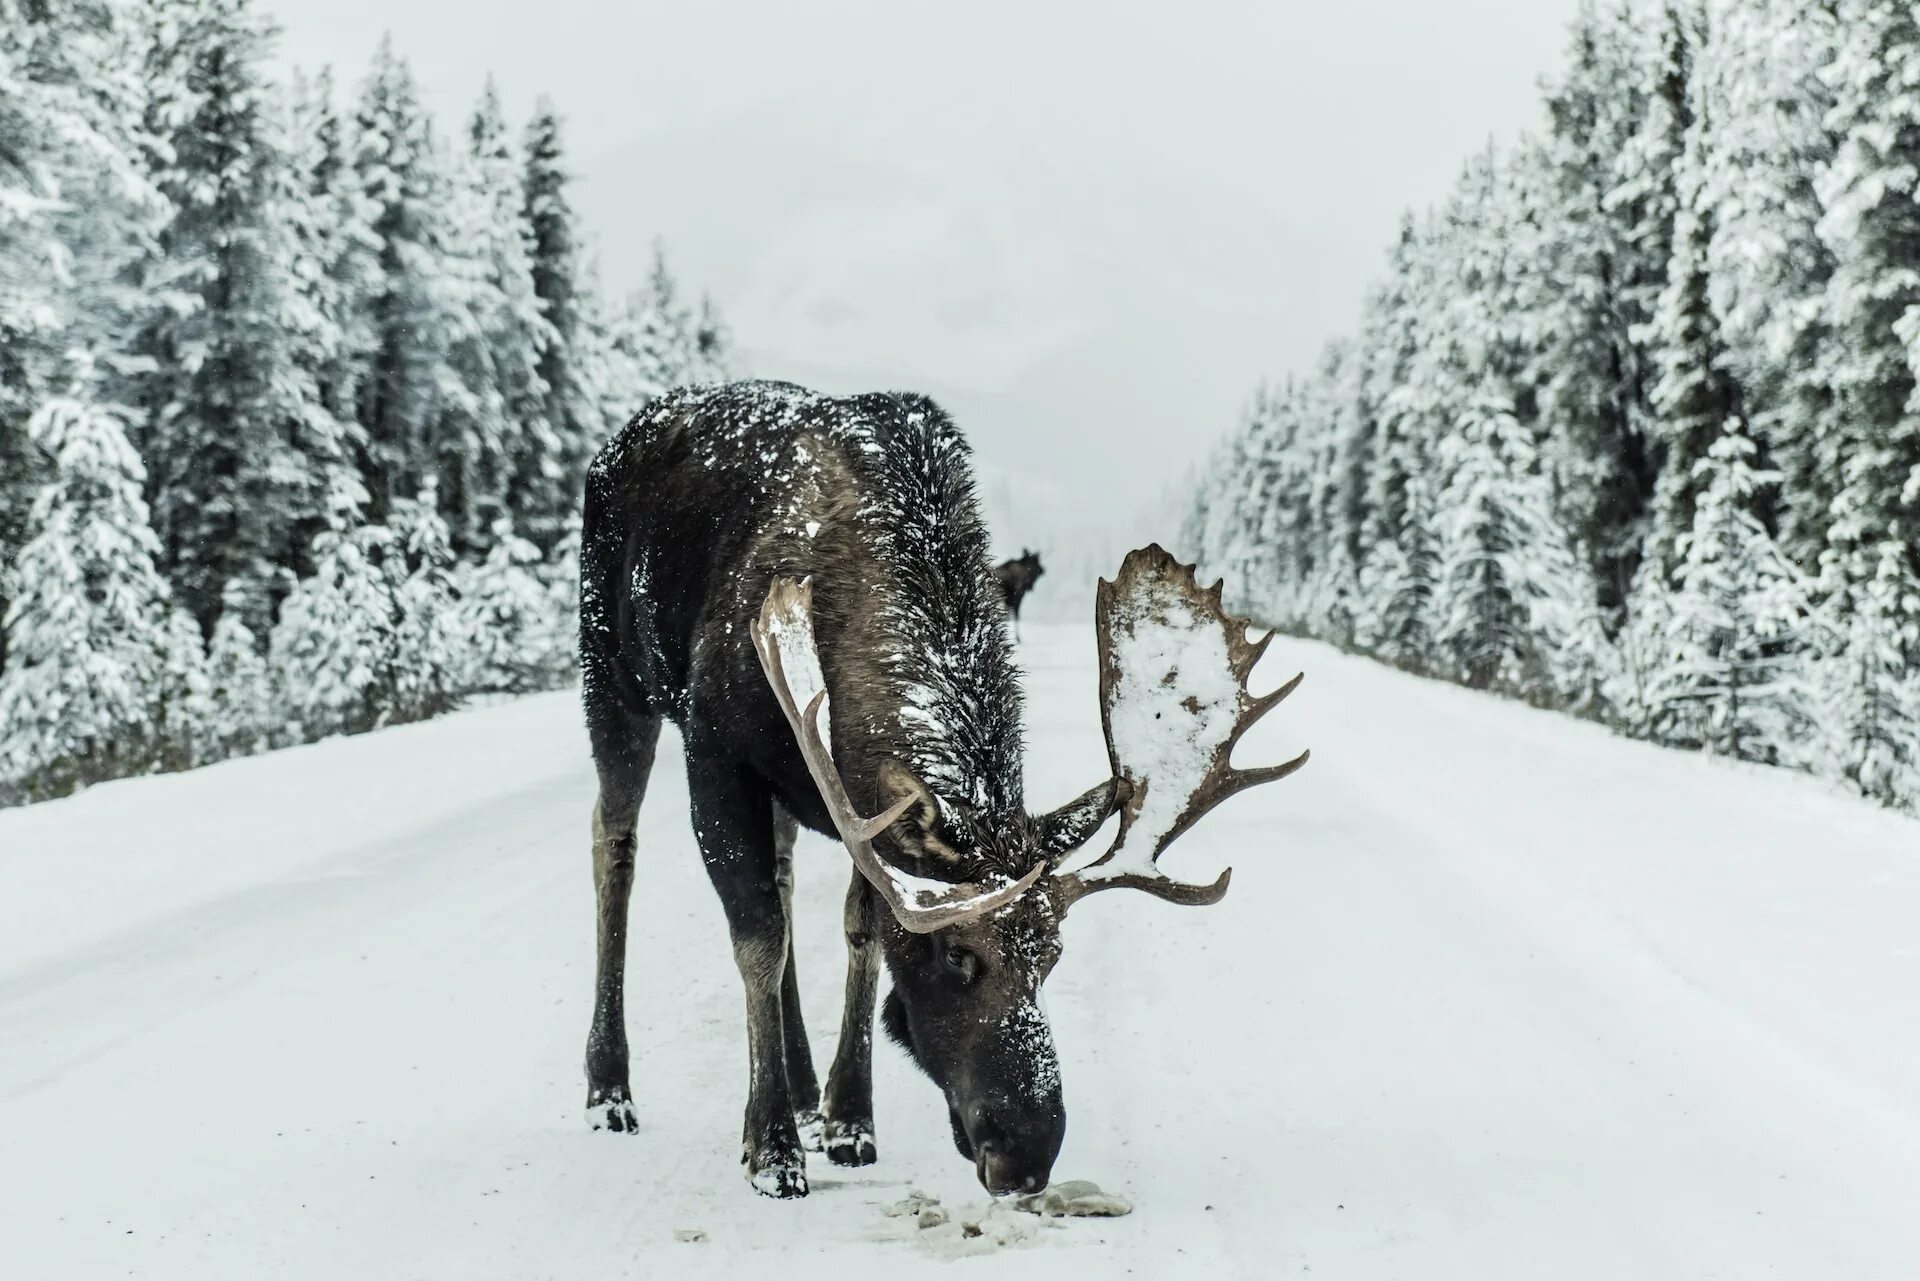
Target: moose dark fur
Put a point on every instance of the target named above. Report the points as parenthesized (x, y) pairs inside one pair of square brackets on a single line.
[(857, 516), (1016, 578)]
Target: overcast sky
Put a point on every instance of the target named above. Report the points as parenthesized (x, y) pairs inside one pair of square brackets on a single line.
[(1089, 231)]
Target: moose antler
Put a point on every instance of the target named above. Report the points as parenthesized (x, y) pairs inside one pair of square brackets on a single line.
[(1173, 704), (783, 637)]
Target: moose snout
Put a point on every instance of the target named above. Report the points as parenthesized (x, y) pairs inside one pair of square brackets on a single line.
[(1006, 1174), (1013, 1153)]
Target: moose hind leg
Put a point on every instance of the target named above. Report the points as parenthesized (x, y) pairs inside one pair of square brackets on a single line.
[(623, 753), (849, 1100), (802, 1084), (733, 819)]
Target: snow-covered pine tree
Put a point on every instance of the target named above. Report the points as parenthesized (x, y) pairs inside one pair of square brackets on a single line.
[(239, 692), (432, 653), (517, 639), (1871, 197), (1737, 678), (85, 695), (1696, 395), (1269, 545), (1226, 540), (404, 313), (1767, 268), (1218, 494), (1505, 566), (1340, 440), (226, 400), (1591, 276), (514, 324), (1397, 532), (467, 436), (666, 329), (188, 716), (1868, 689), (545, 485), (1646, 193), (1495, 518), (332, 652), (333, 265), (76, 209)]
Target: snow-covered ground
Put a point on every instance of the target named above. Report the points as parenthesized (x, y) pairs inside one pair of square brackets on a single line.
[(1494, 994)]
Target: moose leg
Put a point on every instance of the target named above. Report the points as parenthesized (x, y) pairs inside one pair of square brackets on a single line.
[(849, 1101), (802, 1084), (733, 820), (623, 748)]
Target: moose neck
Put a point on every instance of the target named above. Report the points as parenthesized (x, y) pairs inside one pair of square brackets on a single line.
[(932, 664)]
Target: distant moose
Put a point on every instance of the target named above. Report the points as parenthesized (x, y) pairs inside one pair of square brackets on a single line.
[(1016, 578), (801, 584)]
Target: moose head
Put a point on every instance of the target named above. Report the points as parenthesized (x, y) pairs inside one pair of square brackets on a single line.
[(975, 900)]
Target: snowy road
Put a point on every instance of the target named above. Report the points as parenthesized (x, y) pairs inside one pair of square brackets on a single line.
[(1494, 995)]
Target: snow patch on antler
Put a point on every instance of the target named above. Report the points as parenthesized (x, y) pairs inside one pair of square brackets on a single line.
[(792, 633), (1171, 712)]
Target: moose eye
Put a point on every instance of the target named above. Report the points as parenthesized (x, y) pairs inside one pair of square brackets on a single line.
[(960, 962)]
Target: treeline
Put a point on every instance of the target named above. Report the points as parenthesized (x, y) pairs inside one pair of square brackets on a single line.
[(1630, 427), (296, 393)]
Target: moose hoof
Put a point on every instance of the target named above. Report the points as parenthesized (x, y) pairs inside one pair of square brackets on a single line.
[(611, 1110), (850, 1144), (778, 1179), (810, 1125)]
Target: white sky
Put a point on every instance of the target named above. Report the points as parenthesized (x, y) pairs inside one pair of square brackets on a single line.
[(1089, 229)]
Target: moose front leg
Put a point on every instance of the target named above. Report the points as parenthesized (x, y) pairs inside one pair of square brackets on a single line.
[(733, 820), (849, 1099)]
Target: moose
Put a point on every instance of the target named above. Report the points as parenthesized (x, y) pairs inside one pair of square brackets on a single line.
[(801, 584), (1016, 578)]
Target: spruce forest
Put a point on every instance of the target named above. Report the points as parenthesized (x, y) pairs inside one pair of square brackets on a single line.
[(1630, 426), (297, 388)]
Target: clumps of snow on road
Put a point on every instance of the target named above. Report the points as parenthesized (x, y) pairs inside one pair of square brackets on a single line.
[(954, 1232), (1174, 704), (1075, 1199)]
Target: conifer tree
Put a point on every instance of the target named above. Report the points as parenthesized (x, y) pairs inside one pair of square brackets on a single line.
[(76, 209), (1872, 225), (1495, 519), (1767, 268), (1868, 694), (1871, 194), (332, 267), (1593, 274), (238, 690), (85, 695), (507, 617), (226, 402), (404, 313), (431, 651), (1736, 681), (332, 649), (1696, 395), (512, 322), (545, 480)]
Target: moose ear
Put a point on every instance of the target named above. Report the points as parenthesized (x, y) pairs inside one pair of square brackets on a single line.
[(897, 783), (1073, 824), (914, 829)]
